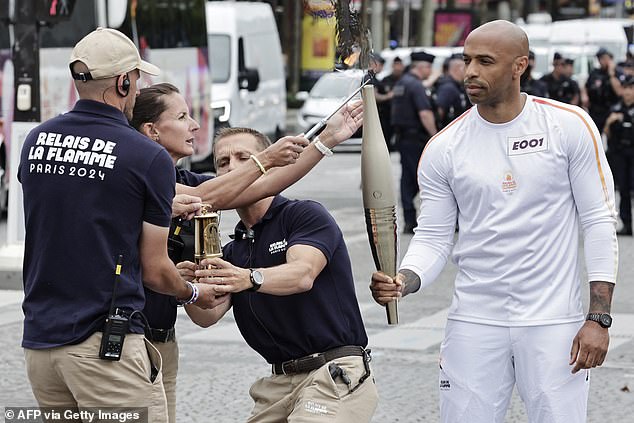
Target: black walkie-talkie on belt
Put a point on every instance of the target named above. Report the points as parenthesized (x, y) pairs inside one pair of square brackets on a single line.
[(117, 324)]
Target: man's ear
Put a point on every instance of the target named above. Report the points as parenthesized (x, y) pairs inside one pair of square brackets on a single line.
[(519, 65), (149, 130)]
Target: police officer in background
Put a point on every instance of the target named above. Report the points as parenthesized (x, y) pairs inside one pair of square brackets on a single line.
[(385, 105), (619, 129), (603, 88), (528, 84), (398, 68), (569, 70), (414, 123), (451, 98), (560, 87), (382, 94)]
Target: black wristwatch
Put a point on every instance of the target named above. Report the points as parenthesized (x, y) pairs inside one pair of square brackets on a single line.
[(257, 279), (604, 319)]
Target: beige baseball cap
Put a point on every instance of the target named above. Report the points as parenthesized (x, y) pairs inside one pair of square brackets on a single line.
[(108, 53)]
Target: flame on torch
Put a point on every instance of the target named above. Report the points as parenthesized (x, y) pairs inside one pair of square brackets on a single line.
[(352, 58)]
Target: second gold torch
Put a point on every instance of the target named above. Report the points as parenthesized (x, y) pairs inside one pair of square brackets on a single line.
[(379, 199), (207, 242)]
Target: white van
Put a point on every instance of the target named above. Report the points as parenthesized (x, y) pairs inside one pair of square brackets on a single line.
[(577, 39), (247, 68), (592, 34)]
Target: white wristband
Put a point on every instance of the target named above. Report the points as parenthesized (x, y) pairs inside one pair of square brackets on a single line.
[(321, 147), (193, 298)]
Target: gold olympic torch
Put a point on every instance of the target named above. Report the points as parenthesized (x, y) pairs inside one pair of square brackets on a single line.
[(379, 199), (207, 242)]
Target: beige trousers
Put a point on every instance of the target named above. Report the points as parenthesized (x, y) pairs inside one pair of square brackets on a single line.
[(315, 396), (74, 376), (169, 354)]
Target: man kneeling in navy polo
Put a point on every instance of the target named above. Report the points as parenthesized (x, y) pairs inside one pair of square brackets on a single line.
[(290, 280)]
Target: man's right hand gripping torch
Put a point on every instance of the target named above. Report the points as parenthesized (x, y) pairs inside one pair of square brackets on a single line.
[(379, 199)]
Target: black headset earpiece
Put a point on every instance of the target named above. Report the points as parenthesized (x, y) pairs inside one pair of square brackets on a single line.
[(124, 89)]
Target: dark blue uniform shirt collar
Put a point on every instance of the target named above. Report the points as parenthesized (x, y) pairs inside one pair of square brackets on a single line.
[(277, 202), (101, 109)]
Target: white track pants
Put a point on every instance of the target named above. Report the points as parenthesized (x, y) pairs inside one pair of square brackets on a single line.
[(480, 364)]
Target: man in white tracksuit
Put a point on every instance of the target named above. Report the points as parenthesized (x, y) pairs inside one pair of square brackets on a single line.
[(522, 175)]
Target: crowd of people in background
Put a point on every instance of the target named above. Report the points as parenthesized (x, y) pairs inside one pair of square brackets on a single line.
[(606, 95)]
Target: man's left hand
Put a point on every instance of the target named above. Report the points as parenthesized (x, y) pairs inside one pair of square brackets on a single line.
[(589, 347)]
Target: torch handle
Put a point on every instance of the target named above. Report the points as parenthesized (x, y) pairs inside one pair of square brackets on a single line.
[(391, 309)]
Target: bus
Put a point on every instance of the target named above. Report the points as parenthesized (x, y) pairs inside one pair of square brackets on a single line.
[(171, 34)]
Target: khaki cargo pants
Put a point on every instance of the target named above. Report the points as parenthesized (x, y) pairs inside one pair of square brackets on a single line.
[(74, 376), (315, 396)]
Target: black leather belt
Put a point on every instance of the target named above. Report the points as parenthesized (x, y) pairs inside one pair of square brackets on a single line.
[(315, 361), (161, 335)]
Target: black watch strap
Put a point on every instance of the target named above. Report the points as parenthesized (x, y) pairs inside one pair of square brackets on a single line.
[(604, 319)]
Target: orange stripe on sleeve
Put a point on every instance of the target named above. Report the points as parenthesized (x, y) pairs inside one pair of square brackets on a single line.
[(594, 141)]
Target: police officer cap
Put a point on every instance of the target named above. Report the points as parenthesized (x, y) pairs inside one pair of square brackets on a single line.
[(602, 51), (421, 56), (627, 81)]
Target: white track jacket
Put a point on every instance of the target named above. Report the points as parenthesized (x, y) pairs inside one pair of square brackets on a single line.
[(522, 192)]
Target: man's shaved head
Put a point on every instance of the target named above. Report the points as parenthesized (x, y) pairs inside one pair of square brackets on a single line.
[(503, 34), (496, 56)]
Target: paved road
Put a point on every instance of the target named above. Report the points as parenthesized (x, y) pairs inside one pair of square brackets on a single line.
[(217, 367)]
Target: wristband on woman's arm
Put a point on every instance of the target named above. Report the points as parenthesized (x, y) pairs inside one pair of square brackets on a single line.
[(321, 147)]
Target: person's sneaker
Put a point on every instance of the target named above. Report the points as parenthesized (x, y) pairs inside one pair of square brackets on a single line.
[(625, 230), (409, 228)]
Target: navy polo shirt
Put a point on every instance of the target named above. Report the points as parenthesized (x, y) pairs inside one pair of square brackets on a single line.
[(89, 182), (287, 327), (160, 309), (409, 99)]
